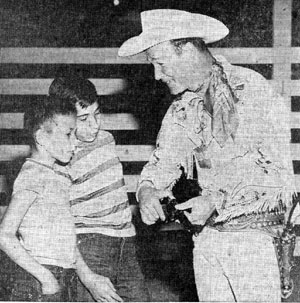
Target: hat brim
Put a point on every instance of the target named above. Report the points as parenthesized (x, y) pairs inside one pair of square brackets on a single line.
[(145, 40)]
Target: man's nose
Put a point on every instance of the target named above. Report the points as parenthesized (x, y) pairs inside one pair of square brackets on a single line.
[(72, 142), (157, 73), (93, 122)]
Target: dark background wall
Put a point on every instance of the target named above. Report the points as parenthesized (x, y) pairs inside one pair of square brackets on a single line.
[(68, 23)]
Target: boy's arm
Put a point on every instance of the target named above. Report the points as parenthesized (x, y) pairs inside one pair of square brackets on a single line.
[(99, 286), (11, 245)]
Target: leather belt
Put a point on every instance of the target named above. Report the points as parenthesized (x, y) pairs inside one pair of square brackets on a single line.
[(262, 221)]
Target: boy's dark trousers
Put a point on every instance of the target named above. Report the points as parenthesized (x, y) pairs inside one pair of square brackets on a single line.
[(115, 258), (24, 287)]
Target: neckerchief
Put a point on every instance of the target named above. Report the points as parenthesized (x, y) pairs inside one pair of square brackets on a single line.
[(208, 113), (220, 99)]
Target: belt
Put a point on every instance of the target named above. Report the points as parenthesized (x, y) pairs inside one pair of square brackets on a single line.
[(263, 221)]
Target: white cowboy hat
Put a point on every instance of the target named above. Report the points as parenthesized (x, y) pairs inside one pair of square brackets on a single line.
[(161, 25)]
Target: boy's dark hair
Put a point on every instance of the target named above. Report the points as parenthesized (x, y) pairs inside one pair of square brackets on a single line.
[(39, 112), (75, 88)]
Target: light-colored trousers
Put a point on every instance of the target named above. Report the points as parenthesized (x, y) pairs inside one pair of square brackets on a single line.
[(236, 266)]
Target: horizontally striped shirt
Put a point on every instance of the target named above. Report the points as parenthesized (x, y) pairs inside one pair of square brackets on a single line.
[(99, 201)]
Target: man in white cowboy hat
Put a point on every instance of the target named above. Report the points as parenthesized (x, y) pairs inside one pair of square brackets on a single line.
[(229, 124)]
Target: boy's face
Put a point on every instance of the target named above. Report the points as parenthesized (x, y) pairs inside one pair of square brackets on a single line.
[(88, 122), (60, 140)]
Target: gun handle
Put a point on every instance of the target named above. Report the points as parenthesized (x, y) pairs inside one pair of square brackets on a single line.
[(197, 229)]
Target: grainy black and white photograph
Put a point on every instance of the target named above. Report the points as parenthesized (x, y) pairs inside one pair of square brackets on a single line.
[(150, 150)]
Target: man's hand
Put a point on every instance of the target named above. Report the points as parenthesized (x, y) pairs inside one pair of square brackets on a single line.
[(202, 208), (102, 289), (150, 207), (50, 285)]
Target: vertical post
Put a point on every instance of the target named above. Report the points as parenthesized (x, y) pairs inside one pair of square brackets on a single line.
[(3, 196), (282, 37)]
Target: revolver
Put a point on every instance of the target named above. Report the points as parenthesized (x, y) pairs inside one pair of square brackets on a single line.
[(183, 190)]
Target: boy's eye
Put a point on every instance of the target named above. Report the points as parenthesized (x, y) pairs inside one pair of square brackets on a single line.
[(82, 118)]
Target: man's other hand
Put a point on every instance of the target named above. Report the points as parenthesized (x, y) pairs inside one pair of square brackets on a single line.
[(202, 208)]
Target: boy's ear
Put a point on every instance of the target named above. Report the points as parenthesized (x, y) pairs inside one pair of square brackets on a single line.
[(40, 137)]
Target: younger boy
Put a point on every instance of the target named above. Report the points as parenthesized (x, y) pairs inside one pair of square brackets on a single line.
[(99, 199), (37, 231)]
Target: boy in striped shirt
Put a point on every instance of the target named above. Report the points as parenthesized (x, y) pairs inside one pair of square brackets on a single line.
[(99, 201)]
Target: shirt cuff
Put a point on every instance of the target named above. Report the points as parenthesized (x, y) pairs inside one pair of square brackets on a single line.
[(140, 185)]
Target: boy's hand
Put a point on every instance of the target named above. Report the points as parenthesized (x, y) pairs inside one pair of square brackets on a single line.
[(50, 285), (102, 289), (99, 286)]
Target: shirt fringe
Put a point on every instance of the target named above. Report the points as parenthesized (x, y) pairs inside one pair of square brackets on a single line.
[(267, 202)]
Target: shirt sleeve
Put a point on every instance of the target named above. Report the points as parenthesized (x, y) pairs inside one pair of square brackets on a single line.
[(29, 180), (164, 164)]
